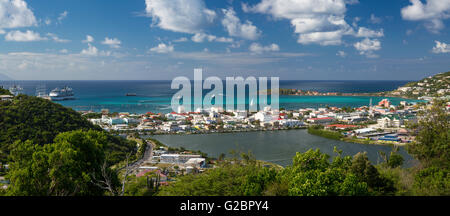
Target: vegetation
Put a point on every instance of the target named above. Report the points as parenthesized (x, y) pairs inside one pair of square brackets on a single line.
[(432, 149), (311, 174), (232, 178), (92, 115), (71, 165), (4, 91), (40, 121), (319, 131)]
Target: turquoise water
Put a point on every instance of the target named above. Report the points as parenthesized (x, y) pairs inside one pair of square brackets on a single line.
[(155, 96), (274, 146)]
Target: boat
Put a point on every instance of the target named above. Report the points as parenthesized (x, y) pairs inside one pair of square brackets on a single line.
[(41, 92), (16, 90), (131, 94), (65, 93)]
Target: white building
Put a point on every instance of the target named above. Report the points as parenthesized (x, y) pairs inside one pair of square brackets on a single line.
[(176, 158)]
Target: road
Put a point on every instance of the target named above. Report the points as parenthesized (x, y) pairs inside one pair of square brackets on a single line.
[(147, 157)]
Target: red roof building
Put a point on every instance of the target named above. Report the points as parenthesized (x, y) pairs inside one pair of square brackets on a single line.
[(341, 126)]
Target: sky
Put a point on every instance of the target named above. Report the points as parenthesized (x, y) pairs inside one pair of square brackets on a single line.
[(163, 39)]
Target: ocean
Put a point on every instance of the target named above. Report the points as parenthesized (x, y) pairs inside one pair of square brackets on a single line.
[(155, 96)]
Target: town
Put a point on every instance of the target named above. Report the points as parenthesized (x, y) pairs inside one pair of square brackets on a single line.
[(383, 123)]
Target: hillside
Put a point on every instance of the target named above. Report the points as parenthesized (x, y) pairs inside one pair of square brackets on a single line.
[(40, 120), (4, 92), (433, 86)]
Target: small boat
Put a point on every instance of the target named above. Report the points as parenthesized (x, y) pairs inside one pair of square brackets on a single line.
[(131, 94)]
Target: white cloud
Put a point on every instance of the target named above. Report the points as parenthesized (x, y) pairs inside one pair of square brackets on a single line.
[(180, 15), (112, 42), (441, 47), (433, 12), (374, 19), (57, 39), (90, 51), (258, 48), (15, 14), (367, 46), (27, 36), (64, 51), (162, 48), (62, 16), (235, 28), (351, 2), (89, 39), (183, 39), (315, 21), (201, 37), (322, 38), (60, 65), (48, 21), (365, 32), (341, 53)]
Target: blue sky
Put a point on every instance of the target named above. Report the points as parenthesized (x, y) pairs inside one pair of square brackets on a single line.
[(161, 39)]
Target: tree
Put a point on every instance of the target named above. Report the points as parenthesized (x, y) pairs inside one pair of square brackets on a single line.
[(231, 178), (66, 167), (40, 121), (432, 146), (312, 174), (395, 160), (432, 150)]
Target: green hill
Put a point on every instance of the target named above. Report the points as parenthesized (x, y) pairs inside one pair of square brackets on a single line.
[(4, 92), (39, 120), (432, 86)]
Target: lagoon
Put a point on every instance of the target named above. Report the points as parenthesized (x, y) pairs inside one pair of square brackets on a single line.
[(274, 146)]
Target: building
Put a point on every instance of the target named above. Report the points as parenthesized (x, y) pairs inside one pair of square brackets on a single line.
[(6, 97), (323, 120), (363, 131), (384, 103), (177, 158), (290, 123), (340, 126), (196, 162), (389, 121)]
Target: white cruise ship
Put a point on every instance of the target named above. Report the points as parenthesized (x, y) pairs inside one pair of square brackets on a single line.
[(65, 93)]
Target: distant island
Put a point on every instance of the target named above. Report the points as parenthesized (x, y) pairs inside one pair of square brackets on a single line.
[(4, 77), (437, 86)]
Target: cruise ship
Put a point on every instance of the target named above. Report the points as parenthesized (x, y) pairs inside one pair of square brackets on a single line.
[(16, 90), (65, 93)]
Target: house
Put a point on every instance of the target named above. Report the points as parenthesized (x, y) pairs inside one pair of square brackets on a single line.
[(384, 103), (364, 131), (340, 126), (389, 121), (177, 158), (323, 120), (196, 162), (5, 97), (290, 123)]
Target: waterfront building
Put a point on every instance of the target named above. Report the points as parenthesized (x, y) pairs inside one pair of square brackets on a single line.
[(176, 158), (384, 103), (324, 120), (340, 126), (196, 162)]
